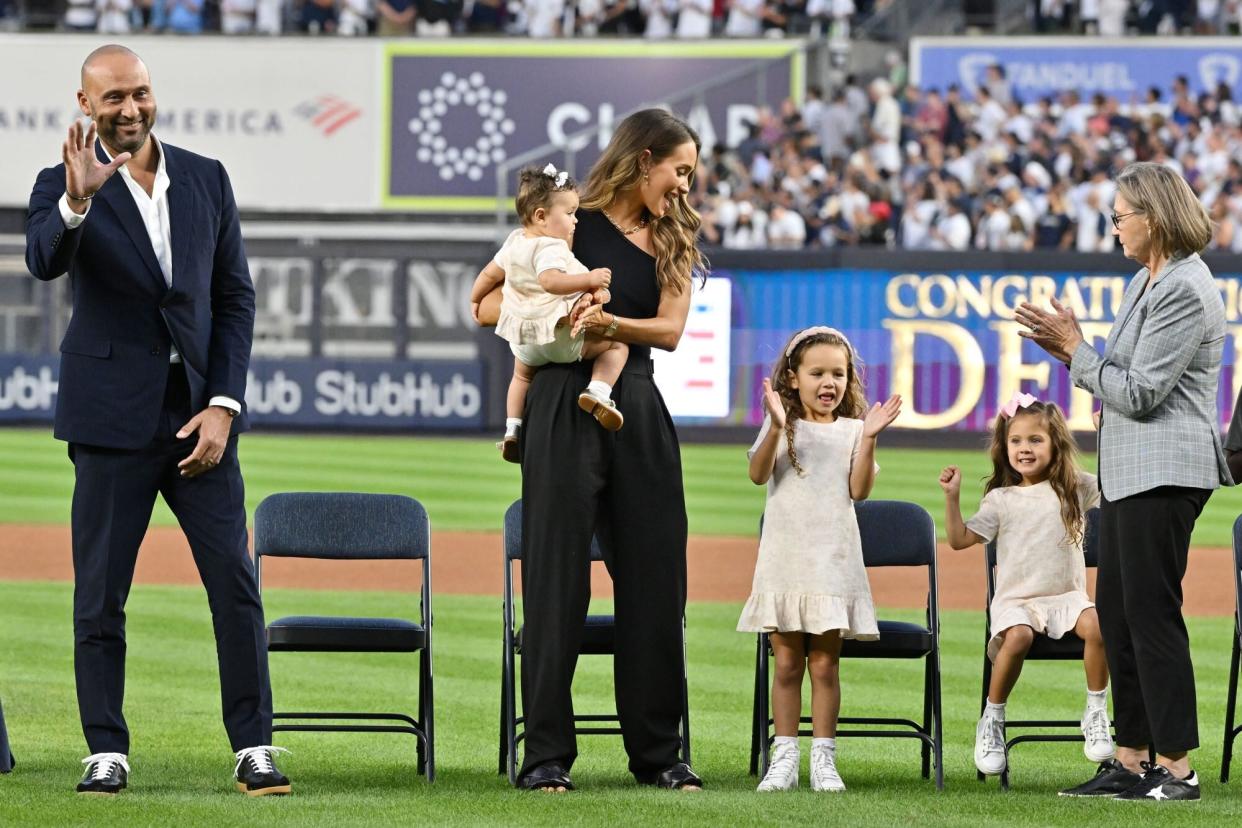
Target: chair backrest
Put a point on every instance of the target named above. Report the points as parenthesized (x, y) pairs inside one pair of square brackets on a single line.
[(893, 533), (896, 533), (1090, 541), (341, 525), (1090, 550), (513, 535)]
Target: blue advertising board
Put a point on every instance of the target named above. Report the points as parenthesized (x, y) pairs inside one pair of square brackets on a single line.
[(309, 393), (1040, 67), (945, 341)]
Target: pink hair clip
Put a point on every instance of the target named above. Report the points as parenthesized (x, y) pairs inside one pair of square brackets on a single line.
[(1018, 400)]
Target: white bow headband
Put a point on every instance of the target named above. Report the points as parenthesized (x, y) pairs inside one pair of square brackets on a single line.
[(815, 331), (559, 179)]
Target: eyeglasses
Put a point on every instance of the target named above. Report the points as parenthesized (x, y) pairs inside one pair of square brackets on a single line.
[(1117, 218)]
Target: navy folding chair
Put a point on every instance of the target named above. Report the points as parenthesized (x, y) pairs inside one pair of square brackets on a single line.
[(1067, 648), (345, 526), (894, 533), (6, 755), (598, 638), (1232, 730)]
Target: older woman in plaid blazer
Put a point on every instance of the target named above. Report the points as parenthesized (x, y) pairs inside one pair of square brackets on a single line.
[(1160, 457)]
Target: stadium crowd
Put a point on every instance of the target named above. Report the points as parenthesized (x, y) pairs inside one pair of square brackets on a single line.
[(535, 18), (938, 169), (565, 18)]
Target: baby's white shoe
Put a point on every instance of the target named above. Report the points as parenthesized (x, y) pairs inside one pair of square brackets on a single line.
[(782, 772)]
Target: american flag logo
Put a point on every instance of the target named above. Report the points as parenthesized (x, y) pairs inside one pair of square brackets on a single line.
[(328, 113)]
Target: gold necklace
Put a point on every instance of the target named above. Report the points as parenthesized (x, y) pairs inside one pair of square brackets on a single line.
[(641, 224)]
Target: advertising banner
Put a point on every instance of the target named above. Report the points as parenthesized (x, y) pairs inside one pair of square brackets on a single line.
[(309, 393), (945, 341), (694, 379), (295, 121), (457, 109), (1039, 67)]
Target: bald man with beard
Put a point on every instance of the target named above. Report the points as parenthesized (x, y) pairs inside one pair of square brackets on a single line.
[(152, 383)]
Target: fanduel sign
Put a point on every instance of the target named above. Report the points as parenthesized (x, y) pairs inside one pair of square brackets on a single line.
[(1037, 68)]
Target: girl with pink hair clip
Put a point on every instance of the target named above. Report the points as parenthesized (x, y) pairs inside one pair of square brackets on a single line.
[(1034, 508)]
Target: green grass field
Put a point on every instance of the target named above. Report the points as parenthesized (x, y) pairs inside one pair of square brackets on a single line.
[(181, 764), (466, 487)]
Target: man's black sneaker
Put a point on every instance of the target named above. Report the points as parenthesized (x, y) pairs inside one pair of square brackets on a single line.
[(1111, 778), (256, 773), (1159, 785), (106, 774)]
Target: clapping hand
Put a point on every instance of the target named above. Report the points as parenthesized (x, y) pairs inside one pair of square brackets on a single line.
[(773, 405), (1058, 333), (881, 416), (84, 174), (951, 481)]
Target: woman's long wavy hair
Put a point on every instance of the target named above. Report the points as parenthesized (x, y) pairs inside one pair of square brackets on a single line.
[(673, 236), (1062, 472), (853, 402)]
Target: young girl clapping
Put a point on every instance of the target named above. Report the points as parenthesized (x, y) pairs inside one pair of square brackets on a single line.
[(810, 588)]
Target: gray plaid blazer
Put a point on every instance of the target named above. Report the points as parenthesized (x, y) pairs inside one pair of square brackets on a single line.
[(1158, 382)]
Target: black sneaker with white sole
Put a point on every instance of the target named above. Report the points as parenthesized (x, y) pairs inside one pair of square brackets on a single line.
[(1111, 778), (107, 774), (256, 773), (1159, 785)]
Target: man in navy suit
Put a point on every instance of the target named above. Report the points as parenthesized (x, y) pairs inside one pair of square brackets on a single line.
[(152, 379)]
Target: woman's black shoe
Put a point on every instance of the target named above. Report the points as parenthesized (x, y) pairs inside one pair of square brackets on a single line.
[(547, 775), (674, 777)]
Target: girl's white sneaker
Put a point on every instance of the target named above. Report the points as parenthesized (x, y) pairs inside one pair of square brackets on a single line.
[(824, 776), (1097, 741), (782, 772)]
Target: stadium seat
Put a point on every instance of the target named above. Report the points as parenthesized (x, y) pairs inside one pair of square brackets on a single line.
[(598, 639), (6, 755), (353, 527), (1067, 648), (894, 533), (1231, 729)]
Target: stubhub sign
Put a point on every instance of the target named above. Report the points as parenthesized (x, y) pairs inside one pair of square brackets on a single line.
[(369, 394), (372, 394)]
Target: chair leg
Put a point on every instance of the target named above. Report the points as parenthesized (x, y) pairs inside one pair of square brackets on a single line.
[(765, 706), (511, 761), (422, 711), (504, 717), (429, 712), (938, 720), (928, 722), (755, 725), (1231, 705), (6, 754)]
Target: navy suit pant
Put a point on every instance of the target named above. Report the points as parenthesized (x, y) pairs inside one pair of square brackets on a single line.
[(114, 493)]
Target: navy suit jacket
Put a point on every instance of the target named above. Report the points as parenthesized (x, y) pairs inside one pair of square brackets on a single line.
[(114, 357)]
